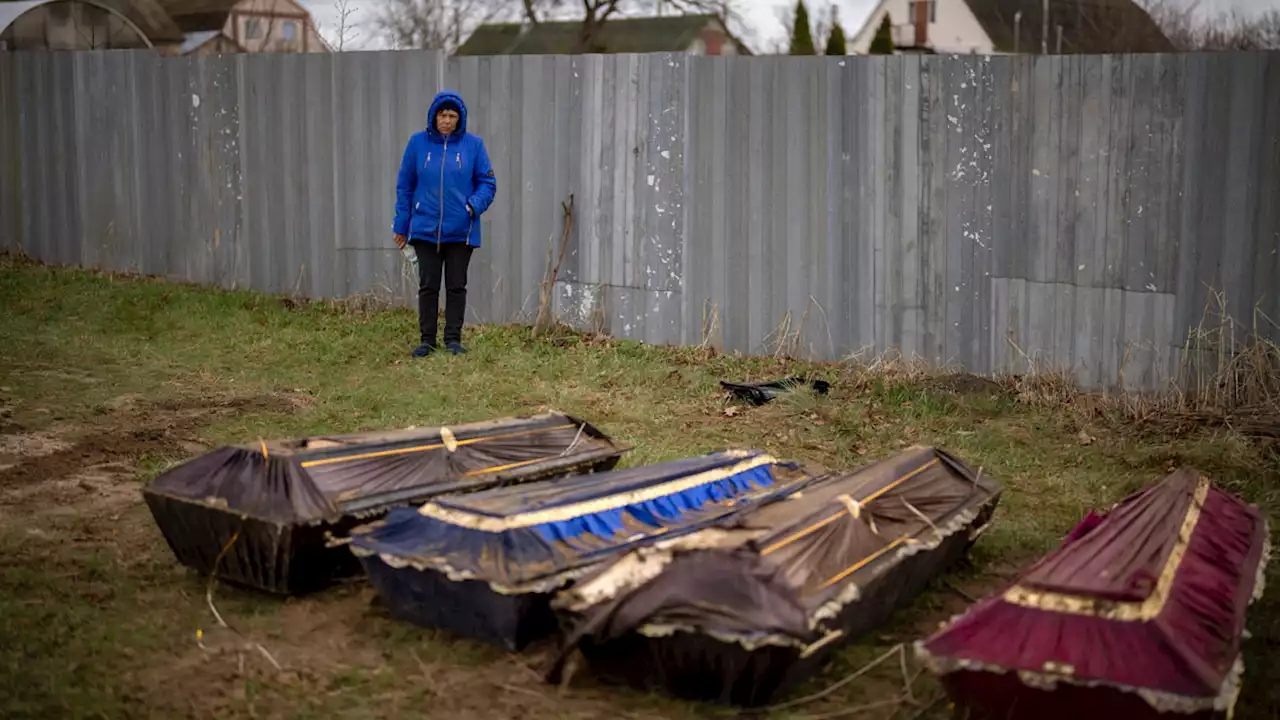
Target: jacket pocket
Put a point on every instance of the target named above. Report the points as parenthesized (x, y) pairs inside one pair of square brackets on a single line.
[(426, 213), (455, 213)]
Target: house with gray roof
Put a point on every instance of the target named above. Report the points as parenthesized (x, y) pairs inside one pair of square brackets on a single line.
[(693, 34)]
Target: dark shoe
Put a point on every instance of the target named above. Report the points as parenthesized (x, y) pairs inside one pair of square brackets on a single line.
[(456, 348), (423, 350)]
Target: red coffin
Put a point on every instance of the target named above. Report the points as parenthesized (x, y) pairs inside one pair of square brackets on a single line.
[(1137, 615)]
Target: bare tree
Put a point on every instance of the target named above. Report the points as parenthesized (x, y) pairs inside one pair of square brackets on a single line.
[(594, 14), (786, 17), (346, 33), (444, 24), (433, 24), (1225, 31)]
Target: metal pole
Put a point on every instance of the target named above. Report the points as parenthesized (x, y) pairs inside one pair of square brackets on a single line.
[(1044, 29)]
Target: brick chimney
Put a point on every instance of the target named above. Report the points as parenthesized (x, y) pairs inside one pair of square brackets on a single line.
[(714, 41), (922, 21)]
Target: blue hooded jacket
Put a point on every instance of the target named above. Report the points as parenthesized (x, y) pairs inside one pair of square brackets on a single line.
[(439, 177)]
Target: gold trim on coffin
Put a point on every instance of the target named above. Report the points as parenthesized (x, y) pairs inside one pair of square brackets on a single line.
[(488, 523), (1143, 611), (1164, 702)]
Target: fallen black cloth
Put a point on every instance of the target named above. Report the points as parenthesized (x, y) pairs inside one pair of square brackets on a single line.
[(761, 393)]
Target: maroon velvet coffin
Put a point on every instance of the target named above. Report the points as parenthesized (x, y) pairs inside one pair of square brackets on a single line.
[(1139, 614)]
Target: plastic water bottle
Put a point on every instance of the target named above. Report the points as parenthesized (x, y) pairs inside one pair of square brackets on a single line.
[(410, 254)]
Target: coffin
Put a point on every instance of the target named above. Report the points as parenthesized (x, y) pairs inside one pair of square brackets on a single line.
[(485, 565), (262, 513), (740, 612), (1139, 614)]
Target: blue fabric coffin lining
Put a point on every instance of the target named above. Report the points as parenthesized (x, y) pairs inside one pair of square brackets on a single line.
[(506, 502), (524, 554), (658, 512)]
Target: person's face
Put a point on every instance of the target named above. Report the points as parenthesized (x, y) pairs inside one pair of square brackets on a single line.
[(447, 121)]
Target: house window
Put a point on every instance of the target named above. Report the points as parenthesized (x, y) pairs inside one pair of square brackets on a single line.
[(911, 10), (290, 31), (252, 29)]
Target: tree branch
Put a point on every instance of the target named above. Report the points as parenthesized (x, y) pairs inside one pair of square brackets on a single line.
[(531, 11)]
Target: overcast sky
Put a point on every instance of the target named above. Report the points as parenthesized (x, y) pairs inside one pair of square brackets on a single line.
[(761, 16)]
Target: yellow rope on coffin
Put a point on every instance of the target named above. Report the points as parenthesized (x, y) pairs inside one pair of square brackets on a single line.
[(826, 521), (434, 446)]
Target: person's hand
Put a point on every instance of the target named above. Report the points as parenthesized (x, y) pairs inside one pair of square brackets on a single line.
[(470, 212), (401, 240)]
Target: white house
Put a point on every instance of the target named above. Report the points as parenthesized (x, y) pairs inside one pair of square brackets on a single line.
[(944, 26), (1009, 26)]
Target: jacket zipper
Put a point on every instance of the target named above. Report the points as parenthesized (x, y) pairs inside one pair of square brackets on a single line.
[(471, 219), (440, 227)]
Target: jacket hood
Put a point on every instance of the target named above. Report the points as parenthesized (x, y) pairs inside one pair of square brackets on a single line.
[(441, 97)]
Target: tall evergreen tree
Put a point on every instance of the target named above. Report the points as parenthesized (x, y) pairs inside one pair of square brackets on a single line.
[(882, 43), (801, 34), (835, 41)]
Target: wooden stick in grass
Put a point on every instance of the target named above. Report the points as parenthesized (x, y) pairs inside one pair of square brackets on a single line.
[(549, 283)]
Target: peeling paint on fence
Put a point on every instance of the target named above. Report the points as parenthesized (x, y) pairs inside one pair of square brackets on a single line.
[(1078, 211)]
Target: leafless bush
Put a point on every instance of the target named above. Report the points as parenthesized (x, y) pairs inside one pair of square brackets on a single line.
[(1228, 375), (1225, 31), (866, 369), (345, 33), (433, 24)]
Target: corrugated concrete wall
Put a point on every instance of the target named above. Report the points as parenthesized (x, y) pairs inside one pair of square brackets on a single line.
[(976, 211)]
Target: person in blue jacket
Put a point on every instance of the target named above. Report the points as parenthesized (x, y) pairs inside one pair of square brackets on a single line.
[(445, 184)]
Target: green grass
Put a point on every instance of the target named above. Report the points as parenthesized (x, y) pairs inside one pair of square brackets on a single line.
[(96, 620)]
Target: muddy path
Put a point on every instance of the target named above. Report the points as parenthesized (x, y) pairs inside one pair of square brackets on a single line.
[(92, 465)]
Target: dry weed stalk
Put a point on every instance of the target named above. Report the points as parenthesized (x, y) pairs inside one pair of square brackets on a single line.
[(297, 295), (889, 366), (710, 323), (544, 318), (1042, 385), (907, 697), (598, 320), (1224, 378), (786, 342), (831, 341)]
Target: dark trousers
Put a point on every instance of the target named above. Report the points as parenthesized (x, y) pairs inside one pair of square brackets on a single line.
[(452, 258)]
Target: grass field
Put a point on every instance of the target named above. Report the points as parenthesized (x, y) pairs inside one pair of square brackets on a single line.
[(104, 381)]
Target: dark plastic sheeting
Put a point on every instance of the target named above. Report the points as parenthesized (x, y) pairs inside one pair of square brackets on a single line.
[(696, 628), (268, 510)]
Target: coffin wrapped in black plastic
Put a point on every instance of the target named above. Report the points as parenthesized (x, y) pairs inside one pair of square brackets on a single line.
[(739, 612), (263, 514), (485, 565)]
